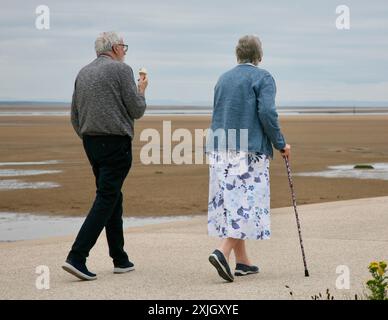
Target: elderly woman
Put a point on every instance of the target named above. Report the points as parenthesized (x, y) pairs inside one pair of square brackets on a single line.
[(239, 189)]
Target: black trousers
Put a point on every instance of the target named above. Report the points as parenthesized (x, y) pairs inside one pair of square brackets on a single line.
[(111, 159)]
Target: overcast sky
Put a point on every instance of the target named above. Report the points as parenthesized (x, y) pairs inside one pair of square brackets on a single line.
[(187, 45)]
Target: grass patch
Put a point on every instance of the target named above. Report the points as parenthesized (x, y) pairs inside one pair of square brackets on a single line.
[(363, 166)]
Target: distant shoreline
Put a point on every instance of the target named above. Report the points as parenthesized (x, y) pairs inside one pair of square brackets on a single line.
[(63, 109), (207, 104)]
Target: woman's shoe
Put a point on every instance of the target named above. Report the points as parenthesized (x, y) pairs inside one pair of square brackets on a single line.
[(217, 259), (243, 269)]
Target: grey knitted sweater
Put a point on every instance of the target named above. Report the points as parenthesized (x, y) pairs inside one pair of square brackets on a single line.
[(105, 99)]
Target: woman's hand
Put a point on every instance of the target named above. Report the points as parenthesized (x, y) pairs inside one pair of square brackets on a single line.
[(286, 151)]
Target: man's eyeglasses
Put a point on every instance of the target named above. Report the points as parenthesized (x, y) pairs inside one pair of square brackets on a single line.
[(124, 45)]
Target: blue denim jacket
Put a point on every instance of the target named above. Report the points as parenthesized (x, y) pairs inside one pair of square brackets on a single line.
[(244, 98)]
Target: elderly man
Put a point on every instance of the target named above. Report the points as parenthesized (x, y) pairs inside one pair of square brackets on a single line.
[(105, 103)]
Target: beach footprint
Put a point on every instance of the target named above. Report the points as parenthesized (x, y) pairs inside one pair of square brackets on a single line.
[(337, 150), (359, 150)]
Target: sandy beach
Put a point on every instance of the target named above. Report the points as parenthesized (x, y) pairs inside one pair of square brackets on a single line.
[(154, 190)]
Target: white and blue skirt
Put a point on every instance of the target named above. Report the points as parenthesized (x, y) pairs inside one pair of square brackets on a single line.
[(239, 195)]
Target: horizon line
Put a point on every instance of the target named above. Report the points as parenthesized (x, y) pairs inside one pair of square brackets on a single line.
[(288, 104)]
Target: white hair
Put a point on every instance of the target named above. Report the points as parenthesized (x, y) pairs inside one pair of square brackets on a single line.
[(249, 49), (105, 41)]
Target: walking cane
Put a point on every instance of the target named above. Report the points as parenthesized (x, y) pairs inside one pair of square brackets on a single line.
[(306, 272)]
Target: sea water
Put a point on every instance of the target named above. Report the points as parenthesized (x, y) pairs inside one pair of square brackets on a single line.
[(20, 226), (380, 172)]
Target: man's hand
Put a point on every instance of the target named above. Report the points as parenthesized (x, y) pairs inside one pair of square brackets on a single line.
[(142, 85), (286, 151)]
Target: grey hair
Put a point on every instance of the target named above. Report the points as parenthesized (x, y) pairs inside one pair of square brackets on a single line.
[(249, 50), (105, 41)]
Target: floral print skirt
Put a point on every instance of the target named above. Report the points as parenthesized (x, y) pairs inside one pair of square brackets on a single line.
[(239, 195)]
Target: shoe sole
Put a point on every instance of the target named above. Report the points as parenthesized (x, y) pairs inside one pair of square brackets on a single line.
[(213, 259), (123, 270), (75, 272), (243, 273)]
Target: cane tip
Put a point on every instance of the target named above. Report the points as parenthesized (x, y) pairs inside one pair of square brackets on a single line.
[(306, 273)]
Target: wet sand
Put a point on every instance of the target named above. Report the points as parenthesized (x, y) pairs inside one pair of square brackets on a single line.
[(155, 190)]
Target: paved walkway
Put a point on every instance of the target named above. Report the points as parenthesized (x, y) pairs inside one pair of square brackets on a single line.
[(171, 259)]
